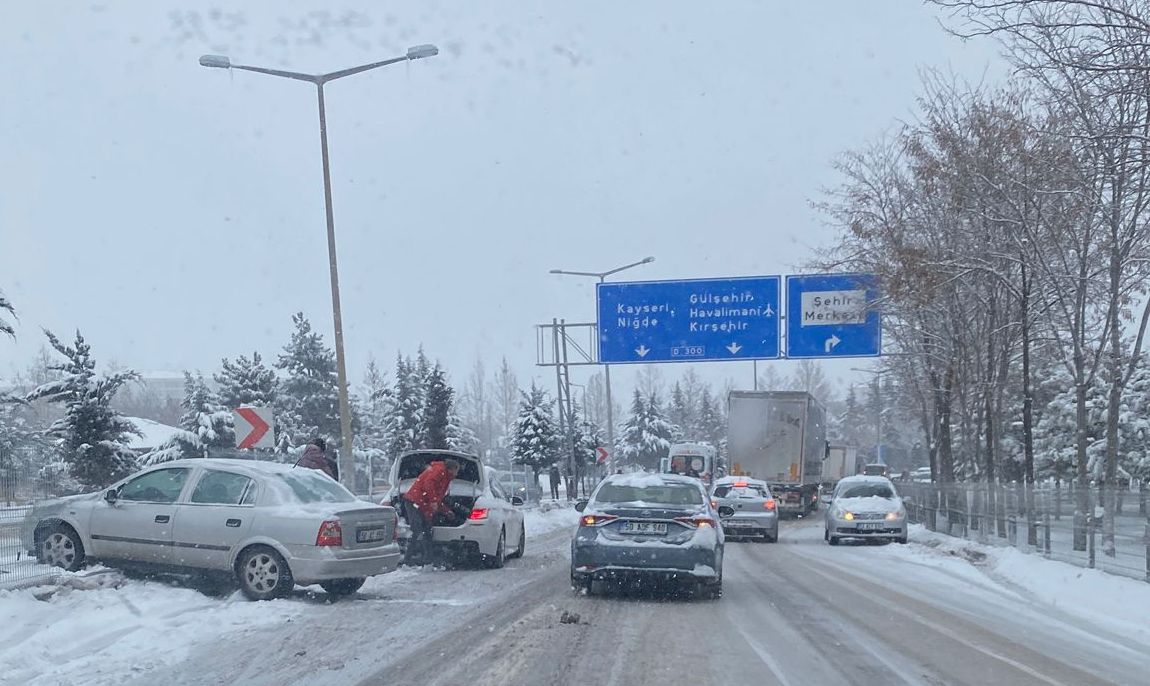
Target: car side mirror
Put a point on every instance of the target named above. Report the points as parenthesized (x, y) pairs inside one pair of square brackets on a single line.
[(580, 505), (516, 500), (111, 495)]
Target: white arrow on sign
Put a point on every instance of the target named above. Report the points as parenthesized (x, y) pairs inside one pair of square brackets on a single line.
[(734, 348), (831, 343), (642, 351)]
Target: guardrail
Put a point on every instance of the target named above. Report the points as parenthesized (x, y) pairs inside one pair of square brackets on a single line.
[(1040, 520)]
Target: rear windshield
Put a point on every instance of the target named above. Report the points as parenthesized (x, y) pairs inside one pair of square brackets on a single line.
[(749, 491), (413, 465), (867, 491), (666, 494), (308, 486)]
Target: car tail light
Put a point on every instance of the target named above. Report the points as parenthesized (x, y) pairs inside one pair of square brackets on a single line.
[(330, 533), (697, 522), (395, 529), (740, 484), (478, 514), (596, 520), (770, 504), (715, 504)]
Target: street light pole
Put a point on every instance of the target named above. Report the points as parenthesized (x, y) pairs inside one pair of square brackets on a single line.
[(602, 276), (346, 458)]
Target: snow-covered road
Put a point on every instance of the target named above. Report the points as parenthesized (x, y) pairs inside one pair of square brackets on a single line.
[(937, 611)]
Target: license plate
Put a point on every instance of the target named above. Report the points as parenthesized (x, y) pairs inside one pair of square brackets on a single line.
[(370, 535), (793, 497), (645, 528), (870, 526), (737, 524)]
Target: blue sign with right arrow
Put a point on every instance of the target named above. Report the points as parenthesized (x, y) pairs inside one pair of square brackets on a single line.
[(833, 315)]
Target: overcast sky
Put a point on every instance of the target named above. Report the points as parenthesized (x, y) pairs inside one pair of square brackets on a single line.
[(175, 213)]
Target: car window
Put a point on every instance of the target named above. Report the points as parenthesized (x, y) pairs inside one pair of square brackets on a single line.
[(666, 494), (308, 486), (748, 492), (160, 486), (867, 491), (222, 488), (498, 491)]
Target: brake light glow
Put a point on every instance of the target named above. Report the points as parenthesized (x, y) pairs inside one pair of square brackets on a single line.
[(697, 522), (740, 484), (330, 534), (715, 503), (596, 520), (770, 504), (478, 514)]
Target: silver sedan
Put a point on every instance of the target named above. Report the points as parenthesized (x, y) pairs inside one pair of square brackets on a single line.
[(865, 507), (746, 508), (269, 525)]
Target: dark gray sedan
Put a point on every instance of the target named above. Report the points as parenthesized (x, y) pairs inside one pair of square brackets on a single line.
[(658, 527)]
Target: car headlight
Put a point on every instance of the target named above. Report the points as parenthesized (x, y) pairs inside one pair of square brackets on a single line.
[(849, 516), (894, 516)]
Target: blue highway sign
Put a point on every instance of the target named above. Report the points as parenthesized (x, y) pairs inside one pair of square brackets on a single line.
[(833, 315), (694, 320)]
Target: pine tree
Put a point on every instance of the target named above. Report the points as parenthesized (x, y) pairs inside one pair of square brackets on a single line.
[(375, 409), (5, 325), (205, 424), (406, 420), (92, 437), (646, 436), (246, 382), (507, 400), (853, 424), (536, 441), (681, 413), (309, 396), (436, 410)]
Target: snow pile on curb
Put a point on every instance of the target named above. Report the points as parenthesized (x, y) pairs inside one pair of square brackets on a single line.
[(1106, 599), (547, 519), (100, 633)]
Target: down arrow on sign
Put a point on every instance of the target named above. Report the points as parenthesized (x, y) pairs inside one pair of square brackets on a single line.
[(252, 425)]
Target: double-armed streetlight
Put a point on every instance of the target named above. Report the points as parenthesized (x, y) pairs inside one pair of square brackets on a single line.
[(602, 276), (346, 461)]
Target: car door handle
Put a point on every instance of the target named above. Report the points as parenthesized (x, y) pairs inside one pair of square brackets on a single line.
[(163, 519), (234, 523)]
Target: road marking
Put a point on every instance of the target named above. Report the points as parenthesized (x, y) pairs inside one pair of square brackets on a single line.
[(765, 656), (949, 633)]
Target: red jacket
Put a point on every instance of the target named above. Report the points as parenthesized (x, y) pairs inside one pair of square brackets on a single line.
[(313, 459), (428, 491)]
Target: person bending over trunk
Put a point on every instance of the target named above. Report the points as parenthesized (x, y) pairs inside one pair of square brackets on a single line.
[(422, 502), (314, 458)]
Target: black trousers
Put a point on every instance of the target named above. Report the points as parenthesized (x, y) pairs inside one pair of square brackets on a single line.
[(419, 545)]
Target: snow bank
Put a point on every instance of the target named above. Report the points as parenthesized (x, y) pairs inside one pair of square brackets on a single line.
[(541, 521), (100, 635), (1102, 598)]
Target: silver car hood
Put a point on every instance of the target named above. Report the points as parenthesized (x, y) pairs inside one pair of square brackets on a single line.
[(871, 504)]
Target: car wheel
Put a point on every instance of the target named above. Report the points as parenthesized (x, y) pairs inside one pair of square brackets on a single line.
[(771, 538), (61, 547), (342, 587), (522, 543), (263, 574), (833, 540), (497, 560)]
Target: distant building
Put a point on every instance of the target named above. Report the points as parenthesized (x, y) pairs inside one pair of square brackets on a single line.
[(152, 434)]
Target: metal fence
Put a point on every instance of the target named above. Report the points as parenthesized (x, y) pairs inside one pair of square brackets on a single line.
[(26, 475), (997, 514)]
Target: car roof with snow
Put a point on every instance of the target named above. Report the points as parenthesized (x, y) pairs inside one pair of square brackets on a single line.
[(732, 480), (646, 479), (865, 479), (251, 466)]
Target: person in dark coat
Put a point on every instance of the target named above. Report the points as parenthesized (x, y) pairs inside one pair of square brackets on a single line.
[(554, 477), (422, 502), (313, 457)]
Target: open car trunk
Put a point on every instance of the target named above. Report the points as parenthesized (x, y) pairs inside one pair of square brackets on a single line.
[(461, 494)]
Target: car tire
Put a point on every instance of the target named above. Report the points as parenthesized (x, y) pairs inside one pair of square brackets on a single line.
[(60, 546), (342, 587), (263, 574), (522, 543), (497, 560), (833, 540), (583, 583), (903, 540), (771, 538)]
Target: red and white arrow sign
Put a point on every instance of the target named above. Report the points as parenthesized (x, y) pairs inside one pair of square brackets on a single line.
[(253, 427), (601, 455)]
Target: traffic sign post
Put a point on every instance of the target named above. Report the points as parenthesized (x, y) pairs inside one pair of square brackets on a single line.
[(253, 427), (693, 320), (833, 315)]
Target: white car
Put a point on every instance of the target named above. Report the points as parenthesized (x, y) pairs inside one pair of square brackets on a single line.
[(270, 525), (866, 507), (489, 526)]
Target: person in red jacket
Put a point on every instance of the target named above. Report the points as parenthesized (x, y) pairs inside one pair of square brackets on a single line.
[(422, 502), (314, 458)]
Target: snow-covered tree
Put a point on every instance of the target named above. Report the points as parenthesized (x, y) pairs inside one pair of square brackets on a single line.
[(681, 413), (92, 437), (246, 382), (646, 436), (535, 441), (308, 398), (374, 409), (5, 325), (854, 420), (475, 409), (437, 410), (205, 424), (507, 399), (407, 406)]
